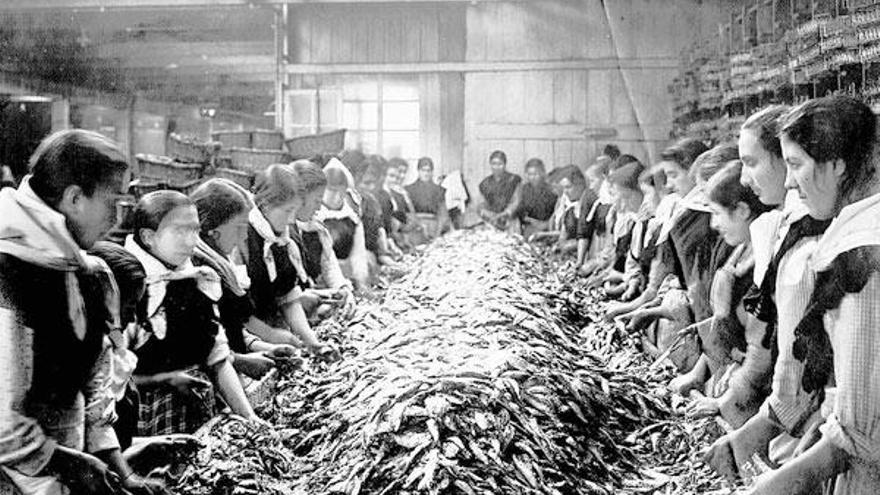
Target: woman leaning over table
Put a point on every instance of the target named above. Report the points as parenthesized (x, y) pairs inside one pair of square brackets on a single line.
[(223, 216), (178, 339), (283, 194), (828, 145)]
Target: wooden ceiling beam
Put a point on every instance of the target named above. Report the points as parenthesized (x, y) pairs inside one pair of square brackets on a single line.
[(161, 76), (134, 49)]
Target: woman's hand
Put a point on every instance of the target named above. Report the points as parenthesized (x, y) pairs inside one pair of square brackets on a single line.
[(589, 268), (614, 310), (185, 383), (683, 384), (83, 473), (703, 407), (309, 299), (631, 292), (638, 319), (148, 453), (284, 354), (326, 352), (138, 485), (280, 352), (730, 453), (253, 364), (345, 302)]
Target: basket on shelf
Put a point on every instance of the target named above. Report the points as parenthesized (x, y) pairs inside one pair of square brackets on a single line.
[(145, 185), (233, 139), (240, 177), (167, 169), (254, 160), (191, 150), (267, 139), (315, 144)]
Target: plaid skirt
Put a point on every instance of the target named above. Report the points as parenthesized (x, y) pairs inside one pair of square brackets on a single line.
[(165, 411)]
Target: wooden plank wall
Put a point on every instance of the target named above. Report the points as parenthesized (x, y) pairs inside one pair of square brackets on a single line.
[(376, 33), (562, 116), (392, 33), (551, 114)]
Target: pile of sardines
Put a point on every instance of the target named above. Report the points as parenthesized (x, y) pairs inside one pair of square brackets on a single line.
[(483, 369)]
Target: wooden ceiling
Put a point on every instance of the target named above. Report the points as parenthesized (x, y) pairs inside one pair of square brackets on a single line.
[(190, 53), (183, 50)]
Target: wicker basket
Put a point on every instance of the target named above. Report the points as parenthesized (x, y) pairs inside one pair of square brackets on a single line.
[(165, 168), (316, 144), (240, 177), (255, 161), (233, 139), (146, 185), (263, 139), (190, 150)]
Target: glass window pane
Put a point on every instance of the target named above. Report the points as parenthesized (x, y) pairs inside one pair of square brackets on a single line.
[(400, 90), (402, 144), (329, 102), (367, 142), (357, 88), (400, 116), (361, 115)]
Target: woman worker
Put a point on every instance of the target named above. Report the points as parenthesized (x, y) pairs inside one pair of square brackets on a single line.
[(734, 366), (536, 200), (828, 144), (223, 216), (500, 192), (574, 196), (340, 215), (275, 264), (178, 340), (429, 201)]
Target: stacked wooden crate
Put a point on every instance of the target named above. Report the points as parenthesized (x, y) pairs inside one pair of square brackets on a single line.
[(247, 153), (189, 160)]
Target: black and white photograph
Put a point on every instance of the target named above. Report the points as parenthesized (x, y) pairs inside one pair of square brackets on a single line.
[(439, 247)]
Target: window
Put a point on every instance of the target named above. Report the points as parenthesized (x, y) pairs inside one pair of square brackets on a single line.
[(382, 116), (381, 113)]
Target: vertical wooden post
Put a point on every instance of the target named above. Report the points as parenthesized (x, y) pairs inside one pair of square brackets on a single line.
[(280, 28)]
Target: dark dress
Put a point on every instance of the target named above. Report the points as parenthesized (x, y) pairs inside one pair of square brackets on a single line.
[(191, 333), (427, 197), (598, 225), (312, 250), (536, 202), (62, 363), (621, 250), (386, 205), (401, 207), (264, 292), (499, 191), (585, 228), (342, 232), (696, 251), (191, 330), (371, 215)]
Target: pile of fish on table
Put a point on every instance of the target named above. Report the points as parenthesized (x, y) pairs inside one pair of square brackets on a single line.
[(484, 369)]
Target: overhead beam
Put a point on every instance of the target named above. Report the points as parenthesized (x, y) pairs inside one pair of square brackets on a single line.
[(223, 63), (31, 5), (146, 50), (513, 66)]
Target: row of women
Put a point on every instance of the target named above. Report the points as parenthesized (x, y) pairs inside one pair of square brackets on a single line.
[(755, 267), (116, 341)]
